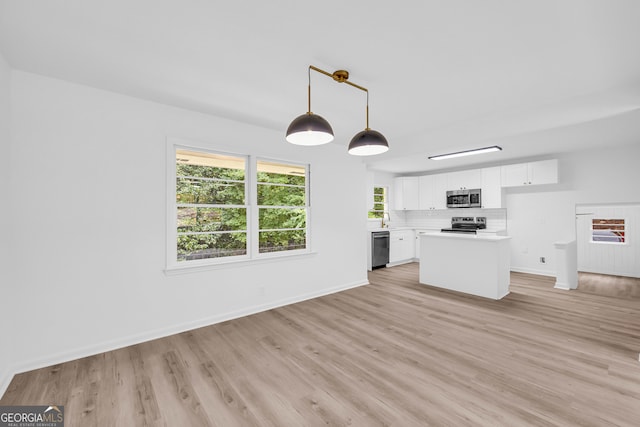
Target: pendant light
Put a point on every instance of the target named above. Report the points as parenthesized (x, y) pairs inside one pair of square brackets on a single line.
[(312, 129), (309, 128), (368, 142)]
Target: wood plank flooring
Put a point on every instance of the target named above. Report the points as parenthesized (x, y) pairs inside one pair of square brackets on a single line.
[(614, 286), (391, 353)]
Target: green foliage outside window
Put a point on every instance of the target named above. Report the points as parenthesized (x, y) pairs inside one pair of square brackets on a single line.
[(379, 203), (212, 209), (282, 216), (211, 213)]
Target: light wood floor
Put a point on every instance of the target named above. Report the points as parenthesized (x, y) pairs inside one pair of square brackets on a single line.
[(391, 353), (614, 286)]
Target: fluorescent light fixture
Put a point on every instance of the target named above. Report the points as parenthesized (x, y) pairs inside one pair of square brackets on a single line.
[(466, 153)]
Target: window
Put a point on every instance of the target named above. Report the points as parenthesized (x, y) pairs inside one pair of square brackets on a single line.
[(380, 203), (282, 210), (608, 230), (211, 214), (234, 207)]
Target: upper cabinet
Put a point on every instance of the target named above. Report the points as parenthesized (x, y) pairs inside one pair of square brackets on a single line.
[(433, 192), (544, 172), (407, 193), (429, 192), (491, 187), (464, 180), (533, 173)]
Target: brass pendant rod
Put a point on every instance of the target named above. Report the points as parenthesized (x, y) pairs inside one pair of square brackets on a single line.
[(311, 67), (340, 76), (335, 77), (309, 93), (367, 128), (357, 86)]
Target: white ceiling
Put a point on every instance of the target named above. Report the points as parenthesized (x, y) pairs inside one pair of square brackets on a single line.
[(535, 77)]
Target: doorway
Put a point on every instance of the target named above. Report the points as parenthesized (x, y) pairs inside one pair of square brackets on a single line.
[(608, 246)]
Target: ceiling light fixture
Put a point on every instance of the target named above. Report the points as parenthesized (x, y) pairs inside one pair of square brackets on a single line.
[(466, 153), (312, 129)]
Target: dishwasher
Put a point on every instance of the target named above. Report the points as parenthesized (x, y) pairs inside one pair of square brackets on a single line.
[(379, 249)]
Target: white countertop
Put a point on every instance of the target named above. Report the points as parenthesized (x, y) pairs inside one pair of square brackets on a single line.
[(371, 230), (465, 236)]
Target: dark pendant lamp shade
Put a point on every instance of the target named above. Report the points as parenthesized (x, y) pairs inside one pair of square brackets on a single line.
[(309, 129), (368, 143)]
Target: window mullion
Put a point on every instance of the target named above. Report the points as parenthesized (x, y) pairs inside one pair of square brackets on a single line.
[(203, 178), (252, 201), (209, 220)]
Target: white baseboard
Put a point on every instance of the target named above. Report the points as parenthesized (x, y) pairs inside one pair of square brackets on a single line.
[(533, 271), (562, 285), (91, 350), (610, 272), (404, 261)]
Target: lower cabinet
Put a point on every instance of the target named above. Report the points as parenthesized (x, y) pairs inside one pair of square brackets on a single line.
[(401, 246)]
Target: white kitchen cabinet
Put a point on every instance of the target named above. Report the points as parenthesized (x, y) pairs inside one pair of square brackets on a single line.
[(407, 193), (515, 175), (433, 192), (464, 180), (491, 187), (532, 173), (401, 246), (544, 172)]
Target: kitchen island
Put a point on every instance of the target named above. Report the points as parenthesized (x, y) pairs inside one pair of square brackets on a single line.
[(475, 264)]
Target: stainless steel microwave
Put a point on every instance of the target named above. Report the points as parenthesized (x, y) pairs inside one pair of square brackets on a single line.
[(464, 198)]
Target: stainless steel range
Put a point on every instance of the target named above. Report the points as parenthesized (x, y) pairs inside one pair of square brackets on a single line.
[(466, 224)]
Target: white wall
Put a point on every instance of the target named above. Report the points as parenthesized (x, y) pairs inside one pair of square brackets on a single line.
[(6, 303), (609, 258), (90, 212), (539, 216), (396, 218), (535, 221)]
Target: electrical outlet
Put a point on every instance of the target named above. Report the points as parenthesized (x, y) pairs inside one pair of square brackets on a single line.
[(543, 260)]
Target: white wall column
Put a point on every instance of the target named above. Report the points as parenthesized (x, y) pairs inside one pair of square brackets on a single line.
[(566, 265)]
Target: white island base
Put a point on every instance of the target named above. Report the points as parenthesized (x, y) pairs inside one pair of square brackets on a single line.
[(475, 264)]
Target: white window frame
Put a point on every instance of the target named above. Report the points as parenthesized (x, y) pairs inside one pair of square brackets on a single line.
[(253, 254), (605, 242), (385, 212), (256, 211)]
